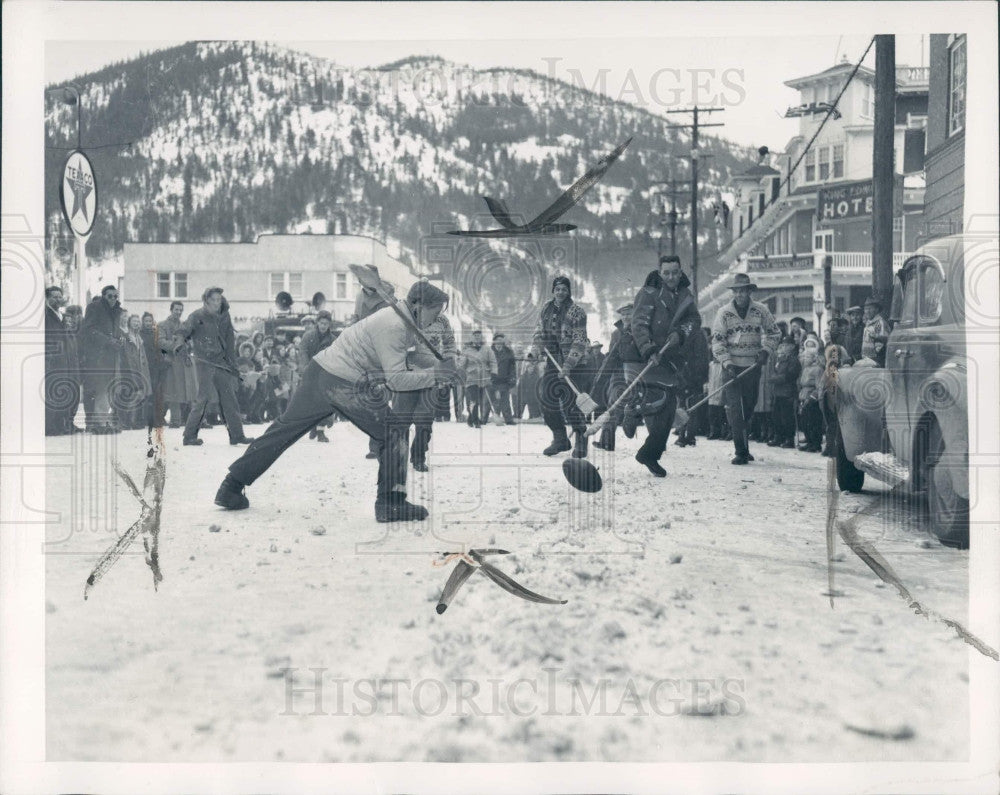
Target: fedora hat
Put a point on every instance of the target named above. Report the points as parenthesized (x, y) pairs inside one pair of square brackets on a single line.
[(854, 309), (872, 301), (742, 280)]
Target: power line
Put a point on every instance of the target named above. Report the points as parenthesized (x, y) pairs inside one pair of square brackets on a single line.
[(830, 111)]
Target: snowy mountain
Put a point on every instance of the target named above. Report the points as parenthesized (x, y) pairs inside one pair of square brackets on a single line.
[(233, 140)]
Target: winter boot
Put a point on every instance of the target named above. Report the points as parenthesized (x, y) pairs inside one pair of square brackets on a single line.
[(580, 445), (397, 509), (560, 444), (321, 436), (651, 464), (629, 424), (607, 440), (230, 495)]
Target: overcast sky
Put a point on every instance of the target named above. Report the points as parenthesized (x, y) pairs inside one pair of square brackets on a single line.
[(745, 75)]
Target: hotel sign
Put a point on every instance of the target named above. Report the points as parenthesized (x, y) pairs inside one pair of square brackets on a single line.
[(845, 201), (854, 200)]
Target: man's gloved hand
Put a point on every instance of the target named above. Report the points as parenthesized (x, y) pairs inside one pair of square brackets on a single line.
[(731, 371), (673, 340), (445, 370), (762, 356)]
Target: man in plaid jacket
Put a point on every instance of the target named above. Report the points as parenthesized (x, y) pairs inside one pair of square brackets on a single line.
[(562, 331)]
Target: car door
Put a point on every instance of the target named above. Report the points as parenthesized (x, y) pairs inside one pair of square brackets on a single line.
[(901, 346)]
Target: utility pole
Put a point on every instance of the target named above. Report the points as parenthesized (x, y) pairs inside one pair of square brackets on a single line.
[(694, 127), (882, 167), (670, 216)]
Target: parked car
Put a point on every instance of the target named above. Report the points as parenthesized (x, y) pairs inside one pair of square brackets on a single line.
[(907, 424)]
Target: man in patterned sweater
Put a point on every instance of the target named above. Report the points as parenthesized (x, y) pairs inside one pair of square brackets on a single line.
[(562, 331), (744, 333)]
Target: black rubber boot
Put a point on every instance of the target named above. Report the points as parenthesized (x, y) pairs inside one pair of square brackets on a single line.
[(397, 509), (560, 444), (230, 495)]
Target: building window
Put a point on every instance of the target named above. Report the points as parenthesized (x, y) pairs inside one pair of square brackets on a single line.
[(800, 304), (290, 283), (340, 286), (839, 303), (867, 101), (810, 166), (786, 305), (823, 156), (956, 86), (838, 161), (171, 285)]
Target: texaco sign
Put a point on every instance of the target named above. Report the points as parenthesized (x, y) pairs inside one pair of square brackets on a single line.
[(78, 193)]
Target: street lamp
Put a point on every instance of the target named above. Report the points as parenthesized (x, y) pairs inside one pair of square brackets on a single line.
[(71, 96), (819, 305)]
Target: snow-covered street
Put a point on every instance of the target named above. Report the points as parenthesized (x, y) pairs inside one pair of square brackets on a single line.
[(698, 625)]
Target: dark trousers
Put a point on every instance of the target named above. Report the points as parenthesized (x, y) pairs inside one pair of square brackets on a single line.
[(783, 416), (319, 395), (811, 423), (417, 407), (500, 394), (97, 397), (559, 407), (211, 380), (740, 398), (474, 396), (657, 403), (658, 406), (62, 396)]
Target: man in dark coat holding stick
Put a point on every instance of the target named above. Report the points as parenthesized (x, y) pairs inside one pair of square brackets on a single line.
[(665, 316)]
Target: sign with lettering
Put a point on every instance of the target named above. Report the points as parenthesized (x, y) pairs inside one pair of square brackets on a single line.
[(844, 202), (78, 193), (854, 200), (778, 262)]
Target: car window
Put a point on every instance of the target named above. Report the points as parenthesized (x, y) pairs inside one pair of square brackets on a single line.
[(908, 305), (931, 281)]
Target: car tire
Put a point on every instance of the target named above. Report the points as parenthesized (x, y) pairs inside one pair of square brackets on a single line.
[(849, 477), (949, 512)]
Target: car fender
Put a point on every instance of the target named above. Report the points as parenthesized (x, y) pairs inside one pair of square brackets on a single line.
[(943, 399), (863, 391)]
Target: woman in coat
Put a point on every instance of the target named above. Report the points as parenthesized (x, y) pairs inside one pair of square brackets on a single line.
[(133, 382), (180, 384)]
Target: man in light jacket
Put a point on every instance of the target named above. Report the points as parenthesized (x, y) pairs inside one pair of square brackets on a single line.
[(350, 377), (744, 334)]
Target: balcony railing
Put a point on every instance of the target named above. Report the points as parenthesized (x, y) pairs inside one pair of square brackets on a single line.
[(862, 260), (910, 75)]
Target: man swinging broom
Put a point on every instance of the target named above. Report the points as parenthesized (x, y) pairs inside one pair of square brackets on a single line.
[(346, 377)]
